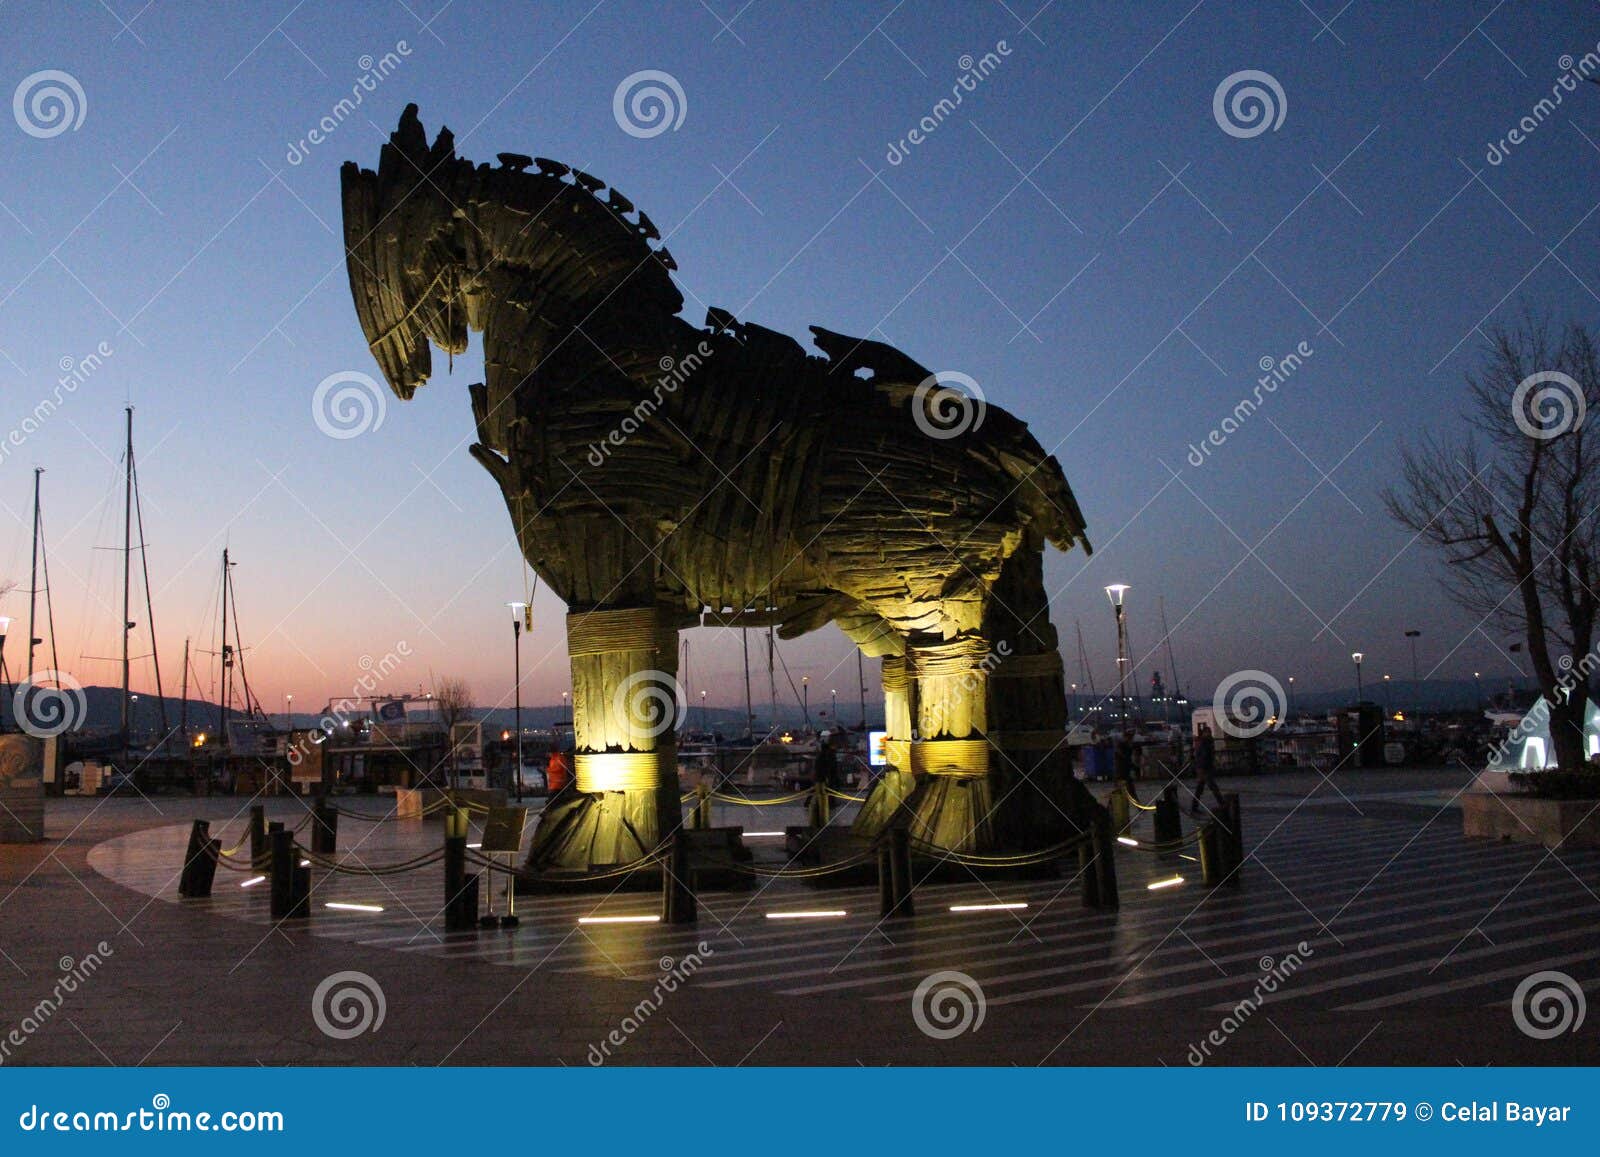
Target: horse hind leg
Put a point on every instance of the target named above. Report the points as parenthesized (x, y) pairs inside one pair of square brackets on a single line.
[(1041, 801)]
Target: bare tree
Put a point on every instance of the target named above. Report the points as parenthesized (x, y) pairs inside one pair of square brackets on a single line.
[(1510, 507), (454, 698)]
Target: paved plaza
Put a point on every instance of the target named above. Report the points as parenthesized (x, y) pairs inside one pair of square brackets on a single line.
[(1365, 929)]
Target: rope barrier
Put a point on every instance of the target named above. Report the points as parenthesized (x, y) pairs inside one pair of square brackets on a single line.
[(395, 869), (846, 796), (1022, 859), (724, 798)]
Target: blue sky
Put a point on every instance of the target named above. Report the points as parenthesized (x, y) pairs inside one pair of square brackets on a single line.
[(1081, 237)]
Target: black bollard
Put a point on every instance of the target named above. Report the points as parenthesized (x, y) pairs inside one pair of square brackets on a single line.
[(324, 828), (886, 896), (290, 883), (1167, 819), (1212, 870), (460, 889), (900, 884), (1232, 837), (199, 862), (678, 905), (1105, 855), (258, 836)]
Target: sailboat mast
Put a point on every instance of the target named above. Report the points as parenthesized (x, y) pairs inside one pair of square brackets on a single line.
[(183, 711), (1172, 663), (861, 685), (127, 573), (222, 734), (749, 711), (33, 578)]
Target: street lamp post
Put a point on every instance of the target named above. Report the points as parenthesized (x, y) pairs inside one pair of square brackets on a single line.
[(1386, 699), (1115, 592), (1290, 710), (518, 610), (705, 723), (805, 699), (1413, 636), (1477, 677), (288, 711), (1356, 658), (834, 695)]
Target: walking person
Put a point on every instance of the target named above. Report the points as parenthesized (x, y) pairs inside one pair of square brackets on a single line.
[(1205, 768)]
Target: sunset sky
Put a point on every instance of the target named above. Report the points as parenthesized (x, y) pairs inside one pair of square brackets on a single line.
[(1082, 237)]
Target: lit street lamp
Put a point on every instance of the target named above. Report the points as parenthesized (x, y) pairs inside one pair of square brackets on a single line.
[(288, 711), (1356, 658), (1115, 593), (835, 708), (1290, 710), (518, 610), (805, 701), (1413, 636)]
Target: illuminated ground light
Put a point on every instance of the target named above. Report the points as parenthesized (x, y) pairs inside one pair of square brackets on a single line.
[(344, 906), (1132, 843), (474, 845), (252, 881), (1010, 906), (812, 914), (619, 919), (1169, 882), (1185, 856), (747, 834), (305, 863)]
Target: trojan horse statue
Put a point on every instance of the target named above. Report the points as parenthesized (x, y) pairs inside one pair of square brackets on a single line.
[(661, 475)]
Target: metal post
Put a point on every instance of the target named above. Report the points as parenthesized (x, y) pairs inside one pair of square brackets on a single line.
[(900, 873), (678, 904), (1117, 804), (1167, 819), (460, 889), (258, 836), (324, 827), (1105, 855), (199, 862), (290, 884)]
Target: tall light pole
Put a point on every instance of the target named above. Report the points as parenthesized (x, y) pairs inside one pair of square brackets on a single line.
[(805, 699), (1291, 695), (1115, 593), (705, 724), (1413, 636), (1386, 695), (518, 611), (1356, 658), (288, 710), (1477, 677), (835, 708)]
